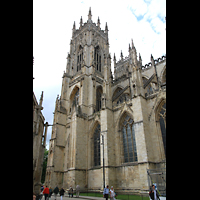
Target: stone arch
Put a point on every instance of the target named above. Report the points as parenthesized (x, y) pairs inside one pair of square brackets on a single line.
[(124, 111), (163, 75), (116, 90), (72, 96), (160, 119)]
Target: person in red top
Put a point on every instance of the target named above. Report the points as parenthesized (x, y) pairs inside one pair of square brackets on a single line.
[(46, 192)]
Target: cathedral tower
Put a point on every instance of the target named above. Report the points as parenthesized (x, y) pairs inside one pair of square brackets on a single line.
[(85, 94)]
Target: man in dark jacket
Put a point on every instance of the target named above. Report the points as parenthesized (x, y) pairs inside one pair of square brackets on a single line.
[(62, 191), (55, 191), (154, 194)]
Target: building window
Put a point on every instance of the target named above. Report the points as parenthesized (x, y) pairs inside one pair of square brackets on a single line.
[(79, 58), (162, 121), (98, 99), (97, 58), (76, 99), (129, 142), (97, 157)]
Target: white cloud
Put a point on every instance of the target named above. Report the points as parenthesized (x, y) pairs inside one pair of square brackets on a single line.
[(138, 7)]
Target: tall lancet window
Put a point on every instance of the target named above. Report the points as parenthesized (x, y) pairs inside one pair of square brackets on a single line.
[(162, 120), (97, 58), (97, 156), (76, 98), (79, 58), (129, 142), (98, 99)]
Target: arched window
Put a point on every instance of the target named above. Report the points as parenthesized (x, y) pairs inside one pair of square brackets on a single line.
[(129, 142), (162, 120), (97, 58), (97, 156), (98, 98), (76, 99), (79, 58)]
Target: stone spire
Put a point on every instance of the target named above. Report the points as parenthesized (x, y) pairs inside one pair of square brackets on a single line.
[(121, 55), (152, 60), (74, 29), (98, 23), (90, 15), (74, 26), (81, 22), (41, 99), (106, 28)]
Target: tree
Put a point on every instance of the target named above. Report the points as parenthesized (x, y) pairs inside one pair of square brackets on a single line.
[(44, 165)]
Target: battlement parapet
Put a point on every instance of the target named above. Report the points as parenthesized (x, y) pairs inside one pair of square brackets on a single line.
[(156, 61)]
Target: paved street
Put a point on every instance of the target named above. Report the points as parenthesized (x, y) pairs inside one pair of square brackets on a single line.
[(74, 198)]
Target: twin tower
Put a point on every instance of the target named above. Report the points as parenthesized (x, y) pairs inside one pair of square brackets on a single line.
[(98, 134)]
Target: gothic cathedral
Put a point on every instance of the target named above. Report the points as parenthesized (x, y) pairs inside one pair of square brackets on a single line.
[(107, 130)]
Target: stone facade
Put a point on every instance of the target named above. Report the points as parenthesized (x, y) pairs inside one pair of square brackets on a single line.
[(92, 98), (39, 142)]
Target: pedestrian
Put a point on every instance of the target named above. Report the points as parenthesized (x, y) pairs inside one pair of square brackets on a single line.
[(77, 190), (50, 193), (34, 196), (46, 192), (106, 192), (55, 191), (153, 193), (62, 191), (70, 191), (42, 188), (112, 193)]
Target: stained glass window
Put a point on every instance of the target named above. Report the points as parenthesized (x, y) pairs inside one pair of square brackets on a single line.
[(129, 142), (97, 156), (163, 124)]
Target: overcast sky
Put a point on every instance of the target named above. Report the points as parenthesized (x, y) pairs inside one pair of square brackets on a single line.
[(140, 20)]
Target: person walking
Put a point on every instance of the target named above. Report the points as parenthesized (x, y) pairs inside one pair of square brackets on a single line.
[(153, 193), (106, 192), (62, 191), (34, 196), (55, 191), (77, 190), (112, 193), (50, 193), (46, 192), (70, 191)]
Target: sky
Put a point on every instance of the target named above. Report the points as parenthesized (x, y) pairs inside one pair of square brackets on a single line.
[(140, 20)]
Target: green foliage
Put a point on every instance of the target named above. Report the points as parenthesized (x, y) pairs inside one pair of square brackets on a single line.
[(44, 165)]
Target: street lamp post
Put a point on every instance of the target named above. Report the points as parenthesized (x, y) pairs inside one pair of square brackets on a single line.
[(103, 162)]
